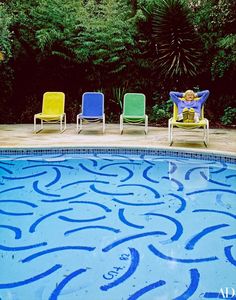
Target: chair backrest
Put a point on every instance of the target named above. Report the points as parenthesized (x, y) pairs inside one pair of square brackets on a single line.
[(175, 110), (134, 104), (93, 104), (53, 103)]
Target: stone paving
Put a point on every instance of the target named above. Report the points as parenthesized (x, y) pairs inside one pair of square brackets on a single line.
[(21, 135)]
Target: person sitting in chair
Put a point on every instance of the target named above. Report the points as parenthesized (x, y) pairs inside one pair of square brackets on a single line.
[(189, 108)]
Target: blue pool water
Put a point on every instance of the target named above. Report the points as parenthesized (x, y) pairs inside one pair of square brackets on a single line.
[(116, 227)]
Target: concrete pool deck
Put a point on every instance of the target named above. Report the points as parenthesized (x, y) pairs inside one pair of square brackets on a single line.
[(22, 136)]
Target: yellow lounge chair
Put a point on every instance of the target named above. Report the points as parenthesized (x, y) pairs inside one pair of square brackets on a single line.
[(52, 110), (203, 123)]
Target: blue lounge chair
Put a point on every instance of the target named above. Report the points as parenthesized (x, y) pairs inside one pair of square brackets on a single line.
[(92, 110)]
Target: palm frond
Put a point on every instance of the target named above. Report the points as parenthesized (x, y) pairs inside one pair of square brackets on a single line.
[(178, 46)]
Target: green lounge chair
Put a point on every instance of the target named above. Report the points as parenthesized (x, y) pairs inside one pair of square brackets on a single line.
[(52, 110), (134, 107)]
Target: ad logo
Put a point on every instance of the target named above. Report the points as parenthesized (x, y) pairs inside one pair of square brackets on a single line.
[(227, 293)]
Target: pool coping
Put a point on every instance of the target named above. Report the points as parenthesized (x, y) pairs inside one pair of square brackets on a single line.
[(136, 150)]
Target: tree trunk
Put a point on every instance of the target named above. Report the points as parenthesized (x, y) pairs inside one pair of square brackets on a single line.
[(134, 5)]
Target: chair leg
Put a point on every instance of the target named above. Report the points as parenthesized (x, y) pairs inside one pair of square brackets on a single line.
[(170, 132), (77, 123), (63, 117), (61, 123), (80, 124), (35, 125), (35, 121), (64, 122), (206, 133), (146, 124), (103, 124), (121, 124)]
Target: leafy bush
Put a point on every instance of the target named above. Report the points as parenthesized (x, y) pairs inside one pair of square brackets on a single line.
[(229, 116), (5, 33), (162, 112), (215, 22)]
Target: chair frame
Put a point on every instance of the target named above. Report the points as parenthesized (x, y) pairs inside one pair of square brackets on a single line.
[(172, 122), (90, 119), (122, 117), (61, 119)]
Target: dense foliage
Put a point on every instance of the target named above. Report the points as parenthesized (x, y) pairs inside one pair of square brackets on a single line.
[(115, 46)]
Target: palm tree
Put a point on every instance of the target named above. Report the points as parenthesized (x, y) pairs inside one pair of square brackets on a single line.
[(177, 43)]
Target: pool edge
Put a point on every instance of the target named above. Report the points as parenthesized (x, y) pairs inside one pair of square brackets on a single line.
[(151, 150)]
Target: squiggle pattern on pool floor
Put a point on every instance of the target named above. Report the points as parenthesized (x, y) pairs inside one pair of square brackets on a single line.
[(116, 227)]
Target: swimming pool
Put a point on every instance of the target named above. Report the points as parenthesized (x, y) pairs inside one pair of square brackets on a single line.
[(118, 226)]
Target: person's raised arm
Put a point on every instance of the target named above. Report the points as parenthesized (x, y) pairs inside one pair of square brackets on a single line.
[(203, 96), (175, 97)]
